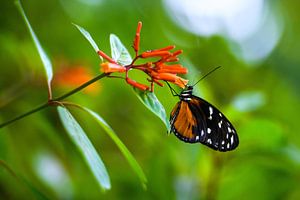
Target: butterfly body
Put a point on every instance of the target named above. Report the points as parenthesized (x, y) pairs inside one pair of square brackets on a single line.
[(195, 120)]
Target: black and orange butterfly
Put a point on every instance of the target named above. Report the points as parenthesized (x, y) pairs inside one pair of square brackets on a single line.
[(195, 120)]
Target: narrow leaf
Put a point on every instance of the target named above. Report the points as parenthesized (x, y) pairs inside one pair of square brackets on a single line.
[(152, 103), (86, 148), (89, 38), (131, 160), (46, 61), (118, 51)]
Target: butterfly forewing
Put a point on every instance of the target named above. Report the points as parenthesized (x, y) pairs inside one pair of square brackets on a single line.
[(183, 122), (196, 120), (217, 131)]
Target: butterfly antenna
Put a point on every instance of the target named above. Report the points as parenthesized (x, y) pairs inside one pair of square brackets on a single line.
[(174, 93), (206, 75)]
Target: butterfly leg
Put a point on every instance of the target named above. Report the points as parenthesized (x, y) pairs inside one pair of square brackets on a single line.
[(174, 93)]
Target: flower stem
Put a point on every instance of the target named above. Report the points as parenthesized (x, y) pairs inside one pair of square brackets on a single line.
[(52, 101)]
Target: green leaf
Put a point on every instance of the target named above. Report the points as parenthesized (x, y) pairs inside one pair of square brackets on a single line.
[(118, 51), (46, 61), (88, 36), (85, 147), (152, 103), (131, 160)]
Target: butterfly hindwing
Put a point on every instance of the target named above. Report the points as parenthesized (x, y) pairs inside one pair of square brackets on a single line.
[(216, 130)]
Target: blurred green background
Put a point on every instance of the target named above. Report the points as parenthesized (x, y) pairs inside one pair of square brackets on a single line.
[(255, 42)]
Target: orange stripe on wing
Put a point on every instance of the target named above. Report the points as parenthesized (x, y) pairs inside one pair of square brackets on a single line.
[(185, 121)]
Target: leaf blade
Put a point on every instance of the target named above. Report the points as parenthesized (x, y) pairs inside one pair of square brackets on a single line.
[(118, 51), (89, 38), (45, 60), (153, 104), (131, 160), (86, 148)]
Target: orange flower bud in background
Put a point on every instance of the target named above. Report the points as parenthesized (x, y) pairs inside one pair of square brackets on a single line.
[(74, 77)]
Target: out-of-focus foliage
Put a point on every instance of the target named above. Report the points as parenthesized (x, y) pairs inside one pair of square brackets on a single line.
[(260, 97)]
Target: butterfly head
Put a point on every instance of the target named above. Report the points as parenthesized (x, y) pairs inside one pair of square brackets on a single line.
[(186, 93)]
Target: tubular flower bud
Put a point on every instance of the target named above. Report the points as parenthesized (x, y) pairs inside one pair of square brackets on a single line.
[(111, 67), (137, 85)]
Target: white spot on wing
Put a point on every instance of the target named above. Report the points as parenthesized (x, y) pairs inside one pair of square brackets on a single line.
[(208, 130), (209, 141), (202, 132), (223, 142), (220, 124), (228, 145), (197, 137), (231, 140), (210, 110)]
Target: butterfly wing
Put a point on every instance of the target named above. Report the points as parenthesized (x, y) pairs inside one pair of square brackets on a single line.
[(206, 124), (183, 122)]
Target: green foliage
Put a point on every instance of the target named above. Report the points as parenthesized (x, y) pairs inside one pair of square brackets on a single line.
[(118, 51), (152, 103), (261, 99), (89, 38), (46, 61), (133, 163), (85, 147)]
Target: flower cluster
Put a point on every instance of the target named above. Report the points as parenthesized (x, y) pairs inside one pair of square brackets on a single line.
[(162, 69)]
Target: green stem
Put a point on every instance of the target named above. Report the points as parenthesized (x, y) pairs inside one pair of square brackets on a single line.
[(52, 101)]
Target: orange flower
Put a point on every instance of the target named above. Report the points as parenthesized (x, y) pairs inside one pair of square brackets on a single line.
[(106, 57), (136, 42), (173, 69), (149, 54), (167, 48), (112, 67), (170, 78), (137, 85), (181, 82), (156, 70)]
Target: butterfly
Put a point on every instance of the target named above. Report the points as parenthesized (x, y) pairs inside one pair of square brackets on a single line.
[(195, 120)]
